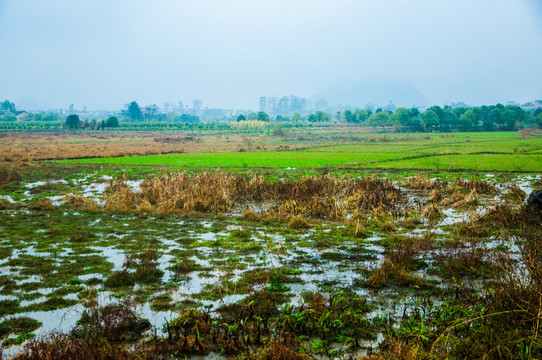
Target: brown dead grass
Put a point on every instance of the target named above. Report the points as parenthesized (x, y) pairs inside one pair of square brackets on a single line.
[(25, 147), (322, 197), (419, 182), (396, 267), (79, 202)]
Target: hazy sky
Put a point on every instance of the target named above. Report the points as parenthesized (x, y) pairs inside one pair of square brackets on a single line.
[(105, 53)]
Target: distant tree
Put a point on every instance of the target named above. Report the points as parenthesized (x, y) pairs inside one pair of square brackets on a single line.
[(430, 120), (112, 122), (8, 116), (378, 119), (349, 116), (151, 111), (319, 116), (187, 118), (468, 120), (361, 116), (448, 120), (241, 117), (73, 122), (296, 118), (262, 116), (281, 118), (338, 116), (510, 118), (539, 120), (7, 105), (404, 118), (494, 118), (133, 111)]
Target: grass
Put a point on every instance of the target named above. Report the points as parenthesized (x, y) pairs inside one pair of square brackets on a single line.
[(470, 151), (230, 264)]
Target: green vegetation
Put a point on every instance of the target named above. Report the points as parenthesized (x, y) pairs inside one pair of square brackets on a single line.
[(470, 151), (356, 250)]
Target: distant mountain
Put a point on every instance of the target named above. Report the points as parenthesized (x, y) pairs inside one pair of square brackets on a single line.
[(32, 105), (378, 92)]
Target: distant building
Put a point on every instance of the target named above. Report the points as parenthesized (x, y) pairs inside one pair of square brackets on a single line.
[(533, 105), (263, 103)]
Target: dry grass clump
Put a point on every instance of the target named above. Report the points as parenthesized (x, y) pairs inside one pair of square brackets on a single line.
[(470, 200), (436, 196), (7, 175), (4, 204), (204, 192), (315, 196), (458, 260), (79, 202), (507, 216), (421, 183), (515, 193), (315, 207), (373, 194), (250, 215), (42, 205), (481, 186), (432, 213), (397, 265), (115, 323), (393, 349), (119, 196), (455, 198), (58, 346), (297, 222), (277, 351)]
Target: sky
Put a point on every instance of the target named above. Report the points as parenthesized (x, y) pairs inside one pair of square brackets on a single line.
[(103, 54)]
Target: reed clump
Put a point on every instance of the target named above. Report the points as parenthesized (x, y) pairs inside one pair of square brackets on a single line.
[(515, 193), (8, 175), (470, 200), (4, 204), (314, 196), (42, 205), (396, 267), (432, 213), (79, 202), (419, 182), (481, 186), (454, 199), (297, 222)]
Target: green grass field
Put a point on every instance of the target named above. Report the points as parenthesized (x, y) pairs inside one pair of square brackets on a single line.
[(465, 151)]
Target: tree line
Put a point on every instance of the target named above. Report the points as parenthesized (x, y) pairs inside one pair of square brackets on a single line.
[(482, 118), (73, 122)]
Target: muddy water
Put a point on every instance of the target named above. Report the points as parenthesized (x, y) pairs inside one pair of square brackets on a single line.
[(317, 268)]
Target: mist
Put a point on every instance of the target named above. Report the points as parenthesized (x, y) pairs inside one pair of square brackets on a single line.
[(103, 54)]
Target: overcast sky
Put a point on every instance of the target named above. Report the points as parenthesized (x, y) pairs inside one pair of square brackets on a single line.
[(228, 53)]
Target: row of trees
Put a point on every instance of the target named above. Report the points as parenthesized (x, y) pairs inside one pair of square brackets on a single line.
[(489, 118), (73, 122), (9, 116)]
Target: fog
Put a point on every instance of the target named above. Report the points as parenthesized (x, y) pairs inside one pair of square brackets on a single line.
[(102, 54)]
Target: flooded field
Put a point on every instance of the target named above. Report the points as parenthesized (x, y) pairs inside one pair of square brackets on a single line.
[(68, 247)]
